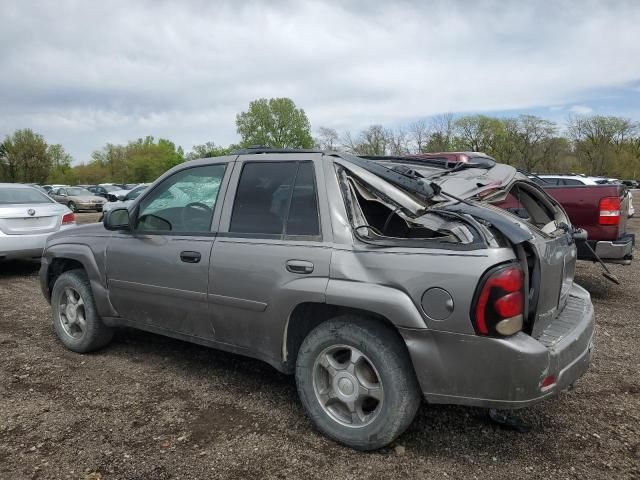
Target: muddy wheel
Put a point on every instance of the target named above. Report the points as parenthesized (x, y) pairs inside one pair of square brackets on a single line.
[(356, 382), (75, 318)]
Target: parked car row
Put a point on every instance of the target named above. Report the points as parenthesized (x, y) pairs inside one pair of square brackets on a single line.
[(30, 213)]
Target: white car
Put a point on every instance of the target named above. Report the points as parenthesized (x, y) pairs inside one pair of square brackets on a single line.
[(27, 218)]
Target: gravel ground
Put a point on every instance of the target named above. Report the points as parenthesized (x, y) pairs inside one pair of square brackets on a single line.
[(153, 407)]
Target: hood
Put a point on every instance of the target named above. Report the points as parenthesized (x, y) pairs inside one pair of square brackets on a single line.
[(87, 230)]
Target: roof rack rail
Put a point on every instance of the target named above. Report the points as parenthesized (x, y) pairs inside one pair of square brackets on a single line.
[(253, 149), (563, 174)]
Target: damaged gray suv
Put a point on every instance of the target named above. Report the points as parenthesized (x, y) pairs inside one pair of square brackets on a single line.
[(377, 282)]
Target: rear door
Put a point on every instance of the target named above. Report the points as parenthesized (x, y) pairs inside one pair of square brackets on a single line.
[(273, 250), (158, 272)]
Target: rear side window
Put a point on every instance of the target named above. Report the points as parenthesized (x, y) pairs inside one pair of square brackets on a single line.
[(303, 213), (571, 181), (276, 198)]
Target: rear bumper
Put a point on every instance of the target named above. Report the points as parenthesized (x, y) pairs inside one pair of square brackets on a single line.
[(610, 251), (621, 249), (13, 247), (22, 246), (505, 373)]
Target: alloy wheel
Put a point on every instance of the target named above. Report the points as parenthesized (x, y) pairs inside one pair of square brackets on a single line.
[(347, 385), (71, 313)]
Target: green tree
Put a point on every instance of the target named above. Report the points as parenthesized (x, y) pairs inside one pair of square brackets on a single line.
[(208, 150), (61, 171), (327, 138), (141, 160), (480, 133), (275, 122), (148, 159), (527, 141), (24, 157), (598, 140)]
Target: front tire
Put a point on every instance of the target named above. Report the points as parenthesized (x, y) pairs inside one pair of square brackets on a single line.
[(72, 206), (75, 318), (356, 382)]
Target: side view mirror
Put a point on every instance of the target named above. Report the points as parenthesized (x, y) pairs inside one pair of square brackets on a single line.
[(116, 219), (121, 197), (61, 194)]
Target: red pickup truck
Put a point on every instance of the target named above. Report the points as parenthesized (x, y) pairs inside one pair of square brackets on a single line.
[(600, 209)]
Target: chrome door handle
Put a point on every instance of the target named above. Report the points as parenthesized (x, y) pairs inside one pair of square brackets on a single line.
[(299, 266)]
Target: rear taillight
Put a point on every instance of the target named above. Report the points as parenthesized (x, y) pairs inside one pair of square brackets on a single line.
[(609, 211), (68, 218), (499, 305)]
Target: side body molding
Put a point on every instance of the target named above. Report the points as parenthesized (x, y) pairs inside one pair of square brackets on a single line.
[(386, 301)]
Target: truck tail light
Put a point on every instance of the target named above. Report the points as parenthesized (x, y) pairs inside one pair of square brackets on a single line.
[(609, 211), (68, 219), (499, 303)]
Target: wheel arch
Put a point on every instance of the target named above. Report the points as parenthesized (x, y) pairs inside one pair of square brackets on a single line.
[(61, 258), (308, 315)]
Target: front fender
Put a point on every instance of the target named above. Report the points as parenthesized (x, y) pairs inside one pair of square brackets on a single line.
[(84, 255)]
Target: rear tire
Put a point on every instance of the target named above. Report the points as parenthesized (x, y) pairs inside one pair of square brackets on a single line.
[(75, 318), (364, 404)]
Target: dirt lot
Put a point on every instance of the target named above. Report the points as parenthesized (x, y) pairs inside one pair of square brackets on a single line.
[(152, 407)]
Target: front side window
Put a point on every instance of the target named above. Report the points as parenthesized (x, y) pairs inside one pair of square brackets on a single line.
[(276, 198), (184, 202)]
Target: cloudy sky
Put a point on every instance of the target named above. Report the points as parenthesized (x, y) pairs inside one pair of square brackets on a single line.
[(87, 73)]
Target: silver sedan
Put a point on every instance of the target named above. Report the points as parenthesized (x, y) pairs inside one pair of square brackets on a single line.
[(27, 218)]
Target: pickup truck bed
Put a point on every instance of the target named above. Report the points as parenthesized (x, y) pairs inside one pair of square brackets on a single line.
[(588, 209)]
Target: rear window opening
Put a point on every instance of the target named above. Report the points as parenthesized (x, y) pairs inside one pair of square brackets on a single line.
[(21, 196), (528, 204), (375, 217)]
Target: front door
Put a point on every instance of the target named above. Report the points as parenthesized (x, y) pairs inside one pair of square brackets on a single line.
[(158, 272)]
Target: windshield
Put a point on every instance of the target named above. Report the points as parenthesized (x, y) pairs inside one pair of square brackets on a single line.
[(79, 192), (10, 195)]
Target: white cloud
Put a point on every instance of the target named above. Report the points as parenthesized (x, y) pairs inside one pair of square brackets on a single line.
[(84, 73), (581, 109)]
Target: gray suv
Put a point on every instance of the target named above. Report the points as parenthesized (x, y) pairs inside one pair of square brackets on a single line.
[(377, 282)]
